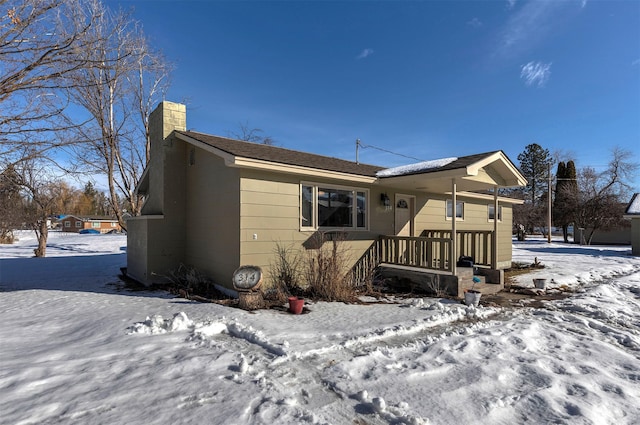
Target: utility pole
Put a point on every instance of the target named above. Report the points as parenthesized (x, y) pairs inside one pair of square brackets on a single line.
[(357, 148), (549, 203)]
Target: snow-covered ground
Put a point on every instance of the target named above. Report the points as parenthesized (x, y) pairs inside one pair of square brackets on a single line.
[(77, 348)]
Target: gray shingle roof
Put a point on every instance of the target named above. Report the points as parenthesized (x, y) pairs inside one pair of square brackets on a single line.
[(291, 157), (282, 155)]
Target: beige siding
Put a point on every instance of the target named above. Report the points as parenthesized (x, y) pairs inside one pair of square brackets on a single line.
[(270, 215), (212, 211), (146, 262), (635, 236)]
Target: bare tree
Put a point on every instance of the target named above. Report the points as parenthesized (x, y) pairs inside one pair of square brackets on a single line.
[(39, 197), (602, 196), (38, 41), (118, 89), (252, 134)]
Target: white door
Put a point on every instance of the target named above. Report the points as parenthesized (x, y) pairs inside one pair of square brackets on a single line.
[(404, 207)]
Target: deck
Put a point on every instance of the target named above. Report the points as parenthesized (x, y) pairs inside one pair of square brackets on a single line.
[(426, 262)]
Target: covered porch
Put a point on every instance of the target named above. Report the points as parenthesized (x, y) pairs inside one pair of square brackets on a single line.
[(435, 253)]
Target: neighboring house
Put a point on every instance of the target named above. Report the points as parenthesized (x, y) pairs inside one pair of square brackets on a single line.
[(215, 203), (74, 223), (617, 236), (633, 212)]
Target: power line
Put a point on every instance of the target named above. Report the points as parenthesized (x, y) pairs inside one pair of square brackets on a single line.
[(360, 144)]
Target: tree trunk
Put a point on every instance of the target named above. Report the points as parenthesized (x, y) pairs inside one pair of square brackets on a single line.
[(42, 233)]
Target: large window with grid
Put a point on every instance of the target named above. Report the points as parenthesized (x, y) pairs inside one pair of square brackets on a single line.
[(328, 206)]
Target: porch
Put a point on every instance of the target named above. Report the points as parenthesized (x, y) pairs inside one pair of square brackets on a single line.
[(427, 261)]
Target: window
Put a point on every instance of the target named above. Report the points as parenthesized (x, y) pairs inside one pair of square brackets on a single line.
[(113, 224), (67, 224), (491, 212), (95, 224), (78, 224), (459, 209), (333, 207)]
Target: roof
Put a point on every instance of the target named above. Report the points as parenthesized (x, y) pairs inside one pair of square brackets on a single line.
[(474, 172), (88, 218), (633, 209), (444, 164), (282, 155)]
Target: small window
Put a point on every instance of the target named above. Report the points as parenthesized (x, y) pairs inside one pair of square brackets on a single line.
[(459, 210), (67, 224), (113, 224), (491, 212), (95, 224), (332, 207), (78, 224)]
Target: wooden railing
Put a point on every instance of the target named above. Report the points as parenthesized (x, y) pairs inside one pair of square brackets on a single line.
[(477, 244), (431, 250)]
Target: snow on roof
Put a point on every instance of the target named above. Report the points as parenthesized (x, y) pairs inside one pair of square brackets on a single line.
[(415, 168), (634, 207)]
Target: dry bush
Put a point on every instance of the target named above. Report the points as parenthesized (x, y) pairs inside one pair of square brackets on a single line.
[(188, 282), (326, 269), (6, 237), (285, 273), (436, 286)]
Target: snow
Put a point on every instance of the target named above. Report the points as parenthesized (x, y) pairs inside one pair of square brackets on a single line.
[(76, 347), (415, 168)]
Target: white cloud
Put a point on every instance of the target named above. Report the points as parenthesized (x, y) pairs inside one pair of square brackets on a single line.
[(531, 23), (511, 4), (475, 22), (583, 3), (535, 73), (365, 53)]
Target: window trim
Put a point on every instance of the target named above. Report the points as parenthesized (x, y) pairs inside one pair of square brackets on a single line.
[(489, 207), (314, 219), (458, 210)]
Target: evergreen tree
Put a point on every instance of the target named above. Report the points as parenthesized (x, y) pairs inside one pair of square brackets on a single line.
[(10, 204), (564, 204), (534, 165)]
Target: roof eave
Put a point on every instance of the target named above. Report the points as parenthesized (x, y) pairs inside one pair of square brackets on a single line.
[(259, 164)]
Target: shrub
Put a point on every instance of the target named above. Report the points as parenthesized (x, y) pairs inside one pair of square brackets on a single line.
[(326, 272), (189, 282), (285, 273)]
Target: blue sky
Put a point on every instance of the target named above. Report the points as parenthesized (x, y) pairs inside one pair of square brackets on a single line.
[(426, 79)]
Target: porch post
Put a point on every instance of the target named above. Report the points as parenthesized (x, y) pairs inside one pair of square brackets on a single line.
[(494, 244), (454, 236)]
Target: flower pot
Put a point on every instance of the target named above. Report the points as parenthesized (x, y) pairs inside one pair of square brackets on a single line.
[(472, 297), (295, 305), (540, 283)]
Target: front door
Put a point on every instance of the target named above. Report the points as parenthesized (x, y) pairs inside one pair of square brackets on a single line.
[(404, 214)]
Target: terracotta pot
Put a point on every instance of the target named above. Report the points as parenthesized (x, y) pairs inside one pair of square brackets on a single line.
[(295, 305)]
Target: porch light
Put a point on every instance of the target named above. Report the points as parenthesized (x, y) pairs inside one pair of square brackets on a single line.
[(385, 201)]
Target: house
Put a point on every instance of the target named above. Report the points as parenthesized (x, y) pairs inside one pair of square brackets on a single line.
[(633, 213), (75, 223), (215, 203)]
